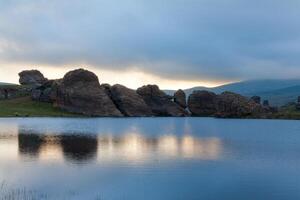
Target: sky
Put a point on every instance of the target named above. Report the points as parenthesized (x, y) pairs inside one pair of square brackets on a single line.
[(172, 43)]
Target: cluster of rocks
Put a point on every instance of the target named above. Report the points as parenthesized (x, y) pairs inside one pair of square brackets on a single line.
[(79, 91), (13, 91), (226, 105), (298, 104)]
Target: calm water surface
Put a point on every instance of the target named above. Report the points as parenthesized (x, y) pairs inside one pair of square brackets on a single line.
[(149, 158)]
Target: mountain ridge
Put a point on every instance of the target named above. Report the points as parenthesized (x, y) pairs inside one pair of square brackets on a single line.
[(277, 91)]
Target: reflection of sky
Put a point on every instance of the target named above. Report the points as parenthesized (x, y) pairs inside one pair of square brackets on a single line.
[(130, 147), (151, 158)]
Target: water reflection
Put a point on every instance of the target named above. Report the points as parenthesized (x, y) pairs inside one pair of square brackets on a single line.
[(127, 147)]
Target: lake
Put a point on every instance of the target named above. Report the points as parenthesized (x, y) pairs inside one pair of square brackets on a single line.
[(149, 158)]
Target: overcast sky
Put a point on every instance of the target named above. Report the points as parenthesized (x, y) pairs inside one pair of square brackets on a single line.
[(173, 42)]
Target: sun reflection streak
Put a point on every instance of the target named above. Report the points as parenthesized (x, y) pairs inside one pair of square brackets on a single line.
[(131, 147)]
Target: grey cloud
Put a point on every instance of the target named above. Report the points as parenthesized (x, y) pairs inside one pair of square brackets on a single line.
[(178, 39)]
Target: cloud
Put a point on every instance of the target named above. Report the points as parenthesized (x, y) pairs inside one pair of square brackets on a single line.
[(175, 39)]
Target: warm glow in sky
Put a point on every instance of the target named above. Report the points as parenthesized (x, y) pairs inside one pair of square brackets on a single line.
[(172, 43), (130, 78)]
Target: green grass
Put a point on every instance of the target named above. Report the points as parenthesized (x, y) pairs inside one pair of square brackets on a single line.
[(25, 107), (288, 112)]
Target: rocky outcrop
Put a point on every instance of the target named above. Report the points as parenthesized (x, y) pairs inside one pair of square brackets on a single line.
[(80, 92), (298, 104), (256, 99), (13, 91), (180, 98), (8, 93), (32, 78), (129, 102), (266, 103), (226, 105), (160, 103), (46, 92), (202, 103), (234, 105)]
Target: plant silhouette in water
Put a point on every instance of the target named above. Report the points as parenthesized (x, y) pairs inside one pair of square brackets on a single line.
[(19, 193), (24, 194)]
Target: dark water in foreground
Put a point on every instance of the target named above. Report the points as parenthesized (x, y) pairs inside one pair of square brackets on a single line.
[(150, 158)]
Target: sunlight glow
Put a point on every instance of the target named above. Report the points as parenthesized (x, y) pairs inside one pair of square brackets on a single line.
[(130, 78)]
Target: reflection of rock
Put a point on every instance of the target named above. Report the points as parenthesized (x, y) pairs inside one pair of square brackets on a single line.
[(160, 103), (129, 147), (79, 148), (30, 144), (80, 92)]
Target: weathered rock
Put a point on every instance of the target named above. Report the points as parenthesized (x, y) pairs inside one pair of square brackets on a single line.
[(266, 103), (227, 104), (159, 102), (46, 92), (32, 78), (256, 99), (234, 105), (13, 91), (80, 92), (106, 88), (180, 98), (129, 102), (202, 103)]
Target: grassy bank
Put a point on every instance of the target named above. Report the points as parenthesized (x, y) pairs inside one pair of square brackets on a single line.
[(288, 112), (25, 107)]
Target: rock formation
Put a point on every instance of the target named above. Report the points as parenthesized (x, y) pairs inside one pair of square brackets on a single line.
[(227, 104), (256, 99), (180, 98), (202, 103), (160, 103), (298, 104), (129, 102), (266, 103), (234, 105), (80, 92), (32, 78), (47, 92)]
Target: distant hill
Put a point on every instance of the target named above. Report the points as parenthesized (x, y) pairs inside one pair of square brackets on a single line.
[(281, 96), (278, 92), (1, 83)]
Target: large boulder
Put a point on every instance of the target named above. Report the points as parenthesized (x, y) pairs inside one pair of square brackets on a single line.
[(202, 103), (230, 104), (266, 103), (160, 103), (226, 105), (129, 102), (47, 92), (32, 78), (80, 92), (256, 99), (180, 98)]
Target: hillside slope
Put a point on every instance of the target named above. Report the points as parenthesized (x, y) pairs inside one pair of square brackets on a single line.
[(278, 92)]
